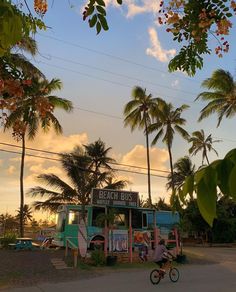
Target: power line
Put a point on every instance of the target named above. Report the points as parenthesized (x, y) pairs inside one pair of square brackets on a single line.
[(118, 74), (113, 56), (57, 153), (84, 169), (109, 81)]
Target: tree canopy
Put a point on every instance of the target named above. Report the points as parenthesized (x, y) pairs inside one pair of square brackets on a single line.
[(191, 23)]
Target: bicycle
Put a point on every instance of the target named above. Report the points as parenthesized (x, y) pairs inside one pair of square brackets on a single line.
[(156, 275)]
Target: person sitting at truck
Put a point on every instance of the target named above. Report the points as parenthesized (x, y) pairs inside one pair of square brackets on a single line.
[(162, 255)]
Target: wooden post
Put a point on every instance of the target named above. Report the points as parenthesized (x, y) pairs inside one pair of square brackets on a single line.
[(155, 229), (130, 237), (105, 235), (176, 240), (75, 257), (66, 250)]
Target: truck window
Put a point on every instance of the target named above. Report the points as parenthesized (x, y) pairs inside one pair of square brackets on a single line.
[(61, 220), (136, 219), (75, 216), (96, 211), (145, 220)]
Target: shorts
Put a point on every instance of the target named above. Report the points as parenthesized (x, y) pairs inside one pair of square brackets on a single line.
[(160, 263)]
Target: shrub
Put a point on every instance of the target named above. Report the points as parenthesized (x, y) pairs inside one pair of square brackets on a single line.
[(8, 238), (98, 257), (224, 231)]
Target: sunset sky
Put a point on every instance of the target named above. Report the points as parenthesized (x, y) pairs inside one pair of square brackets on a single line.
[(98, 74)]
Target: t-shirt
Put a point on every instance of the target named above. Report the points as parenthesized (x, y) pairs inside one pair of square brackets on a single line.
[(159, 251)]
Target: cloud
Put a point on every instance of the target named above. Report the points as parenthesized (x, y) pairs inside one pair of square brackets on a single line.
[(156, 49), (175, 83), (138, 157), (36, 170), (11, 169), (49, 142), (134, 7)]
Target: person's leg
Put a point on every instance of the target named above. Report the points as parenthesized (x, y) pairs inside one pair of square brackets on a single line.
[(164, 265)]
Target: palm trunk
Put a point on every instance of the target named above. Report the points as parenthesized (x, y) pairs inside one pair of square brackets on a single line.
[(207, 160), (148, 165), (171, 169), (22, 187)]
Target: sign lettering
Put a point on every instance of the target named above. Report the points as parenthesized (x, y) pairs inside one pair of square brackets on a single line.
[(114, 198)]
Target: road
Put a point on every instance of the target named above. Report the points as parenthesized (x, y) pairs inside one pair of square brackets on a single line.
[(214, 277)]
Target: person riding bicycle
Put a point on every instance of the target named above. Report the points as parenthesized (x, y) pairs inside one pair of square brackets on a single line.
[(162, 255)]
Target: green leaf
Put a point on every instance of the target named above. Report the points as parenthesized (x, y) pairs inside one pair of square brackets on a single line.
[(101, 10), (93, 20), (98, 27), (188, 186), (232, 155), (223, 169), (199, 175), (101, 3), (232, 182), (210, 177), (181, 196), (103, 22), (206, 200), (119, 1)]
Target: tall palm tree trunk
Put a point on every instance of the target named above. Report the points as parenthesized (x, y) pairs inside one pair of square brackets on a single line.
[(148, 165), (171, 169), (22, 187), (205, 155)]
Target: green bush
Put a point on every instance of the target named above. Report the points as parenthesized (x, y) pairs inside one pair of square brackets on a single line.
[(8, 238), (98, 257), (224, 231)]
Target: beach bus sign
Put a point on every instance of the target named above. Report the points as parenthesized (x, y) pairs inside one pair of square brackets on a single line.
[(107, 197)]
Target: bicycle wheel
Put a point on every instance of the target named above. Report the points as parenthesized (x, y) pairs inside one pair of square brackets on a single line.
[(155, 277), (174, 274)]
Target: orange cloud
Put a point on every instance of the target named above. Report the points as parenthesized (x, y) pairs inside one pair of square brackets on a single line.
[(138, 157)]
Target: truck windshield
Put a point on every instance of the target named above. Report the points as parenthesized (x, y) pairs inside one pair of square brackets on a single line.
[(61, 222)]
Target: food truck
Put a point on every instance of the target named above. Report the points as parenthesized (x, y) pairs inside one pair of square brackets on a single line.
[(130, 222)]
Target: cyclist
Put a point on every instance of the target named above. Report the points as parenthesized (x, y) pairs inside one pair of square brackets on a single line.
[(162, 255)]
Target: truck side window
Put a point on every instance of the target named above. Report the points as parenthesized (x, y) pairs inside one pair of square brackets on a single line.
[(145, 220)]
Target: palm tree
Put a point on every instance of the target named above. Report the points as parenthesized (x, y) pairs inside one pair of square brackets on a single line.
[(162, 205), (98, 154), (27, 214), (201, 143), (33, 111), (168, 120), (137, 114), (8, 223), (76, 166), (182, 169), (222, 97)]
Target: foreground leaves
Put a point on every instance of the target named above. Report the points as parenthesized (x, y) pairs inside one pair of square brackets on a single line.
[(206, 182)]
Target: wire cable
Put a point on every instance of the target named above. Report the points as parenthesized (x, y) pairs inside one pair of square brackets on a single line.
[(113, 56), (57, 153), (84, 169)]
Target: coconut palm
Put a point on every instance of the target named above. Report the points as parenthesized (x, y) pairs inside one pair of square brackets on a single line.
[(16, 66), (222, 97), (182, 169), (27, 214), (32, 112), (77, 187), (201, 143), (167, 121), (137, 114), (98, 154)]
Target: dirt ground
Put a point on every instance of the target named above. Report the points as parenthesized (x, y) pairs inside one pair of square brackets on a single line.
[(27, 268)]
